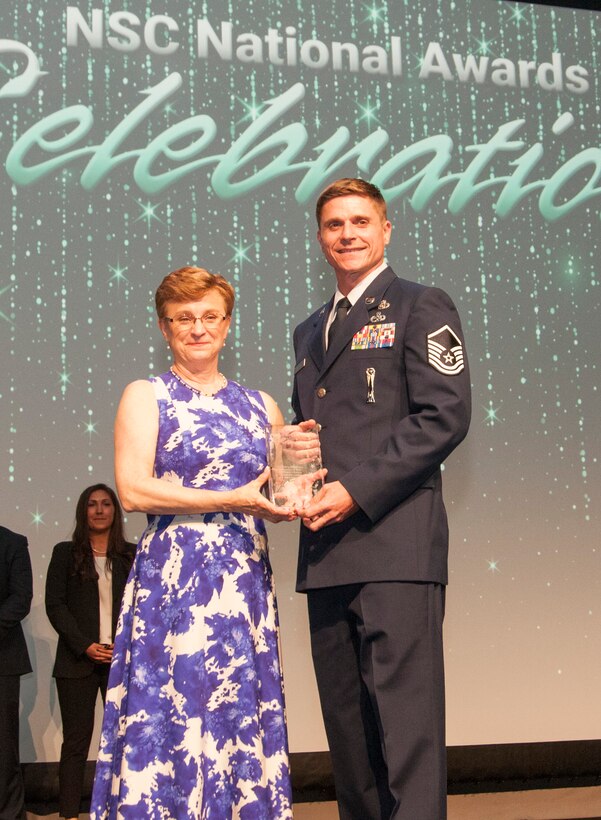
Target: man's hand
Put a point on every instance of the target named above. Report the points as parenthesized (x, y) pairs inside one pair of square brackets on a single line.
[(331, 505)]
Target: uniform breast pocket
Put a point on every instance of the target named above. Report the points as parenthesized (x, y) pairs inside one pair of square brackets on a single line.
[(375, 373), (381, 354)]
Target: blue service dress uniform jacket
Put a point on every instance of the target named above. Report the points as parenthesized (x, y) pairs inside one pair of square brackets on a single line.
[(392, 396)]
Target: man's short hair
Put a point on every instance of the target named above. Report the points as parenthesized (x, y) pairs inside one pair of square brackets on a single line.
[(350, 186)]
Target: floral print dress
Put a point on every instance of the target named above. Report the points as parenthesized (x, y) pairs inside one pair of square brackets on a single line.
[(194, 724)]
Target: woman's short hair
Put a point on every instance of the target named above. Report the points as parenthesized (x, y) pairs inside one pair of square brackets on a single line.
[(189, 284), (349, 186)]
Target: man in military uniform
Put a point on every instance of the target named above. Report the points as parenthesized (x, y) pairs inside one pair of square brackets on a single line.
[(382, 369)]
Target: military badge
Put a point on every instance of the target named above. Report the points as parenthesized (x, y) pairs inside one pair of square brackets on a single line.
[(383, 305), (371, 337), (445, 351)]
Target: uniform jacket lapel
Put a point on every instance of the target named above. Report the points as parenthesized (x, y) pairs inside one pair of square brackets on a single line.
[(365, 307), (316, 346)]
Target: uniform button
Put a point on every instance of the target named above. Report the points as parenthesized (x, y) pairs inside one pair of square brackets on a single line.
[(321, 392)]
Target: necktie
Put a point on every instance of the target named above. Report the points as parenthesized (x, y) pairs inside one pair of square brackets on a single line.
[(342, 308)]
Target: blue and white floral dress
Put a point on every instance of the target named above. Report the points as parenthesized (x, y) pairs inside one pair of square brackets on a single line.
[(194, 724)]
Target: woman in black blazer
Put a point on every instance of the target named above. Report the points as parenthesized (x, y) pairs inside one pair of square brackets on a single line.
[(84, 585)]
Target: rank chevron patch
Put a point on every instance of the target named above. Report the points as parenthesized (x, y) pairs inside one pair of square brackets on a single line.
[(445, 351)]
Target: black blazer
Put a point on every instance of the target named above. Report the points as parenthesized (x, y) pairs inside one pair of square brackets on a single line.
[(16, 592), (387, 452), (73, 608)]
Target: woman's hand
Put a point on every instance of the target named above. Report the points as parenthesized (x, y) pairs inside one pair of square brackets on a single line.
[(99, 652), (300, 442), (250, 500)]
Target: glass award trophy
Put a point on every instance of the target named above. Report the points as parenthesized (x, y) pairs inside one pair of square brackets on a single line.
[(294, 457)]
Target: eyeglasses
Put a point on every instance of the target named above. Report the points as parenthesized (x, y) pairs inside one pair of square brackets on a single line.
[(185, 321)]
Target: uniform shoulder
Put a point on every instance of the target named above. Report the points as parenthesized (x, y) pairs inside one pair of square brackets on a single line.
[(417, 290), (312, 320)]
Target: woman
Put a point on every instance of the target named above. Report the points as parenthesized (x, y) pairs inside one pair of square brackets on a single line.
[(194, 724), (84, 584)]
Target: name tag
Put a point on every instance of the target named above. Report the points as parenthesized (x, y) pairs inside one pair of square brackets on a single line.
[(371, 337)]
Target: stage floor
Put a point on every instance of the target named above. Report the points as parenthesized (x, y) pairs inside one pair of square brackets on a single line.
[(553, 804)]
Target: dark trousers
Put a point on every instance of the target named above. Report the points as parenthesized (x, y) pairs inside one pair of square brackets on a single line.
[(378, 656), (77, 700), (12, 797)]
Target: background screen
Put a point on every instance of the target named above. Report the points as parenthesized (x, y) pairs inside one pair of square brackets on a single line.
[(142, 136)]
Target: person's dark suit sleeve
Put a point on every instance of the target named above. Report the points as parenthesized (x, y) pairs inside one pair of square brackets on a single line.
[(20, 589), (56, 600), (439, 416), (297, 418)]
